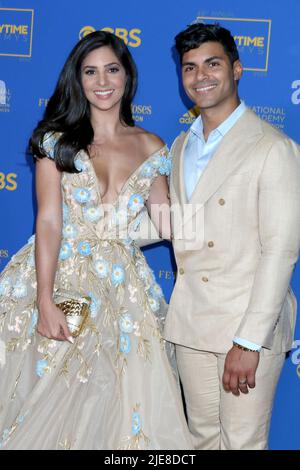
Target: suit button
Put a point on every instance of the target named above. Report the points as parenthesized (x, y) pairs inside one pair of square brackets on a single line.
[(205, 279), (221, 202), (181, 271), (211, 244)]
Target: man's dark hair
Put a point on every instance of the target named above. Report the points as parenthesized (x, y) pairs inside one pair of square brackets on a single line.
[(197, 34)]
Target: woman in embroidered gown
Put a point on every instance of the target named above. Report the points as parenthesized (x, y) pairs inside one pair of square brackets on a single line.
[(111, 387)]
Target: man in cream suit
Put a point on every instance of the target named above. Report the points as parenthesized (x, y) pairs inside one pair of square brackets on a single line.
[(232, 313)]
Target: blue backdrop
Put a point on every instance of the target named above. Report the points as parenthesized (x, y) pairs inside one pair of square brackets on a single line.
[(35, 39)]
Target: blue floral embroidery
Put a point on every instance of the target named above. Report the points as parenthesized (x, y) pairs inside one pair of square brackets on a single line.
[(143, 272), (84, 248), (118, 274), (154, 304), (69, 231), (156, 291), (20, 419), (65, 251), (41, 367), (20, 290), (126, 323), (135, 203), (65, 212), (92, 214), (137, 222), (5, 434), (33, 323), (165, 166), (49, 142), (136, 423), (5, 286), (156, 161), (125, 344), (147, 275), (95, 304), (82, 195), (101, 267), (129, 245), (147, 170), (79, 165), (4, 437)]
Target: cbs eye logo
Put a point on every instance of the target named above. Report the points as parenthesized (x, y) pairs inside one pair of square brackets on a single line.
[(8, 181), (129, 36)]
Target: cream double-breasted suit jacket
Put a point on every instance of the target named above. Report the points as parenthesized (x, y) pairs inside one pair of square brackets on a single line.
[(234, 274)]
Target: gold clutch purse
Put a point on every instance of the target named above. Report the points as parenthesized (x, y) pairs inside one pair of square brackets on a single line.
[(76, 309)]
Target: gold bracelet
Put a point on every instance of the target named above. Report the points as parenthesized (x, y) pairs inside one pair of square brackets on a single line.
[(243, 347)]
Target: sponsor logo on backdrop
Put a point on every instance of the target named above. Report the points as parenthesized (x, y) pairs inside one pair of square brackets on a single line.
[(5, 96), (296, 94), (295, 356), (8, 181), (167, 275), (43, 102), (16, 30), (252, 37), (139, 111), (272, 114), (85, 31), (131, 37), (190, 116)]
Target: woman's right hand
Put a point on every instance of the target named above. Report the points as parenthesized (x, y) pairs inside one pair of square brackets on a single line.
[(52, 322)]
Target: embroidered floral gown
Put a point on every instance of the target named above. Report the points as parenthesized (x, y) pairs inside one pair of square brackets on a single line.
[(114, 388)]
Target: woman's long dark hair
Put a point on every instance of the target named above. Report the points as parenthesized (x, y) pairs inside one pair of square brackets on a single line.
[(68, 110)]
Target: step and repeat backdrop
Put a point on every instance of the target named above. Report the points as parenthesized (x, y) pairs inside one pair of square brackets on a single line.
[(35, 39)]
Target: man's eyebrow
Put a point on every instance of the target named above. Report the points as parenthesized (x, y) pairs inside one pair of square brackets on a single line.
[(188, 63), (209, 59), (214, 57)]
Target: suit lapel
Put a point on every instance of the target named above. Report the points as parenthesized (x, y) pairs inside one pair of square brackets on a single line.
[(177, 179), (234, 149)]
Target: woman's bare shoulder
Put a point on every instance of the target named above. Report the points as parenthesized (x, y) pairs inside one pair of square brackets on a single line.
[(148, 141)]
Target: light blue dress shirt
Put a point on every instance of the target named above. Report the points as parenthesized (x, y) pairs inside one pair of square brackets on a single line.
[(197, 155)]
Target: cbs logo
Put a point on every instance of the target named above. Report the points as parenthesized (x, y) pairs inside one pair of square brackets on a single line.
[(8, 181), (129, 36)]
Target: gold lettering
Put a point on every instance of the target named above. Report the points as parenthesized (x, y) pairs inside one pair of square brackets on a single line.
[(10, 178), (2, 180), (257, 41), (238, 39), (260, 41), (14, 29), (135, 37)]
